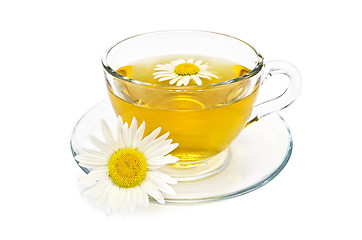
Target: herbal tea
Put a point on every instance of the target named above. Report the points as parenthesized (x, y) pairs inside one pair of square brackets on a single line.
[(203, 120)]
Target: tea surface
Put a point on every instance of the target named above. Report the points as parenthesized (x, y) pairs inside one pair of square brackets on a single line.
[(203, 122)]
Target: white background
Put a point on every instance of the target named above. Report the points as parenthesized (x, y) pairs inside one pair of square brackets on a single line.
[(51, 74)]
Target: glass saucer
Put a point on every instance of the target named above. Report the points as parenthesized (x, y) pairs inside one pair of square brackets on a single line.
[(258, 155)]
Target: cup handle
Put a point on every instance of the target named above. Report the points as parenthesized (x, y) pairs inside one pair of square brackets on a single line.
[(290, 94)]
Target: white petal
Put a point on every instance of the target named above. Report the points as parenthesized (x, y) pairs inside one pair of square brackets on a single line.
[(94, 153), (125, 135), (163, 72), (132, 130), (102, 146), (103, 195), (207, 73), (133, 199), (138, 136), (154, 142), (161, 75), (87, 165), (153, 147), (125, 199), (162, 160), (91, 157), (162, 186), (186, 80), (175, 80), (108, 136), (151, 190), (196, 79), (162, 151), (96, 187), (149, 137), (168, 78), (181, 81), (145, 199), (130, 204), (95, 175), (117, 198), (154, 167), (119, 131), (138, 195), (90, 160), (161, 138), (111, 199), (203, 76), (122, 201), (164, 177), (190, 60), (119, 120)]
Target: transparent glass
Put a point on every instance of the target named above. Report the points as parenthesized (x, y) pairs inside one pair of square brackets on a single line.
[(204, 119), (257, 156)]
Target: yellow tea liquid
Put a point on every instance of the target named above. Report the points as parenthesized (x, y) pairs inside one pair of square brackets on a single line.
[(203, 121)]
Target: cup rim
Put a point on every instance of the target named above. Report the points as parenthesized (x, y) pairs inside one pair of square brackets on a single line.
[(247, 76)]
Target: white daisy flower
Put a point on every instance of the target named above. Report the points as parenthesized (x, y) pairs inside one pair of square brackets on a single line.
[(124, 168), (181, 71)]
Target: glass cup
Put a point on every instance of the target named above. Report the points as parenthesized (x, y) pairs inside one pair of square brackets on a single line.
[(203, 119)]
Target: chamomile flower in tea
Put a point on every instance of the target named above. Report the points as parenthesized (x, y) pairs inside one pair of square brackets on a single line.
[(181, 71)]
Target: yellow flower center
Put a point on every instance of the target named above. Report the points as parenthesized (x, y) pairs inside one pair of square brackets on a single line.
[(186, 69), (127, 167)]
